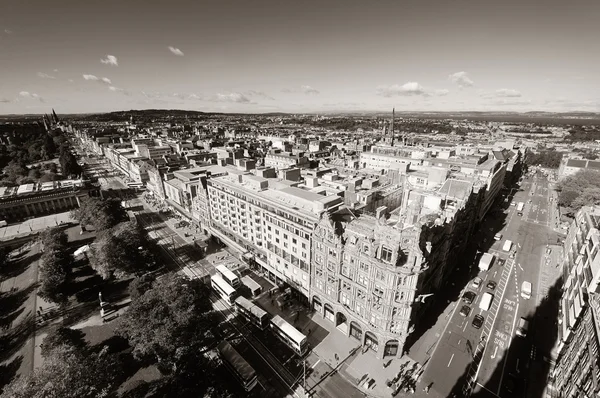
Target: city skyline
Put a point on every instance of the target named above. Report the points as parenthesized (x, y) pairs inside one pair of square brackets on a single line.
[(269, 56)]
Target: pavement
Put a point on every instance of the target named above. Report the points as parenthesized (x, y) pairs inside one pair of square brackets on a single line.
[(35, 225)]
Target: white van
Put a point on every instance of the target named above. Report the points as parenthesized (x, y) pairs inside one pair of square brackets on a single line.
[(486, 301), (526, 290), (507, 246)]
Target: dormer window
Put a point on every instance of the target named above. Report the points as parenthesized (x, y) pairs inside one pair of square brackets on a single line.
[(386, 254), (366, 249)]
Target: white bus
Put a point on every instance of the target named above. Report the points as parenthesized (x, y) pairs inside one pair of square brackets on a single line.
[(228, 275), (520, 206), (486, 301), (237, 365), (507, 245), (253, 313), (289, 335), (253, 286), (223, 289)]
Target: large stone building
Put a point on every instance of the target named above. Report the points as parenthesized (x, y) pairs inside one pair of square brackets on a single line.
[(577, 368), (269, 220), (36, 200)]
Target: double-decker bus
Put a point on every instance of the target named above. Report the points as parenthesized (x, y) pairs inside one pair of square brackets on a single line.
[(237, 365), (223, 289), (256, 315), (228, 275), (289, 335)]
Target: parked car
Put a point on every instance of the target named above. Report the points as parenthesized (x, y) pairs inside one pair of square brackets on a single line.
[(498, 236), (491, 285), (465, 310), (500, 262), (478, 321), (469, 297), (476, 282)]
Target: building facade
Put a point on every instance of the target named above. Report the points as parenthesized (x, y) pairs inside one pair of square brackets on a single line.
[(577, 367)]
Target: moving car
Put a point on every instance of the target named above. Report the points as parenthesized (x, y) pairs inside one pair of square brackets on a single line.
[(476, 282), (465, 310), (478, 321), (469, 297), (498, 236), (491, 285), (500, 262)]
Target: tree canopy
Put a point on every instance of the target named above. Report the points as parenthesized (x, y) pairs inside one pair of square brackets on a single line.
[(546, 158), (55, 264), (70, 372), (165, 321), (578, 190), (121, 250), (101, 214), (68, 162)]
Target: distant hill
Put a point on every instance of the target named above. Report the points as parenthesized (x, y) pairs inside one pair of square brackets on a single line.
[(537, 117)]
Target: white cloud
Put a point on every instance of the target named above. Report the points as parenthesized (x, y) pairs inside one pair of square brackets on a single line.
[(4, 101), (303, 89), (261, 94), (233, 97), (407, 89), (27, 94), (507, 93), (441, 92), (113, 88), (110, 60), (71, 80), (95, 78), (309, 90), (461, 78), (8, 31), (45, 75), (55, 70), (176, 51)]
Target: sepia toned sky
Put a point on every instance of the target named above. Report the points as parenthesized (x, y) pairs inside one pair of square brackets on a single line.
[(299, 56)]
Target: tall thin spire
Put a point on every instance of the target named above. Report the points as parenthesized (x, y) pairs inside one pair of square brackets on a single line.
[(392, 126), (54, 116)]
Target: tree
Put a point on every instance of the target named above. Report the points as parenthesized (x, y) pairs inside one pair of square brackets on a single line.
[(63, 336), (121, 250), (68, 163), (589, 197), (68, 372), (49, 146), (35, 173), (15, 170), (140, 285), (174, 315), (54, 239), (546, 158), (52, 278), (55, 264), (101, 214), (579, 189)]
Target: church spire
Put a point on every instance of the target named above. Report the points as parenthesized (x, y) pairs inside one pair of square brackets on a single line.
[(392, 126)]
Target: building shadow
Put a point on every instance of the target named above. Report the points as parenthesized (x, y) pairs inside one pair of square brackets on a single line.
[(8, 371), (19, 264), (524, 367)]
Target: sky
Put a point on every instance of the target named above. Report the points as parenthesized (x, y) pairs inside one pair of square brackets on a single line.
[(81, 56)]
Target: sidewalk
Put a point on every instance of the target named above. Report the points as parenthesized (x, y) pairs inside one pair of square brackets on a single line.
[(35, 225)]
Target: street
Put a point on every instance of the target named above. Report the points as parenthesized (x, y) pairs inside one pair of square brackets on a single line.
[(497, 351)]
